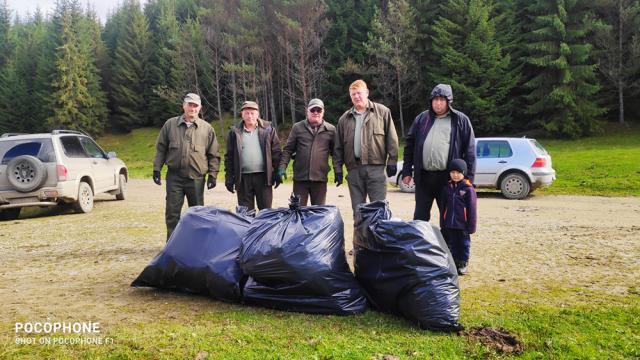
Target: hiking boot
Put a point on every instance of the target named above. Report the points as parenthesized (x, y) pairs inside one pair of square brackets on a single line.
[(462, 267)]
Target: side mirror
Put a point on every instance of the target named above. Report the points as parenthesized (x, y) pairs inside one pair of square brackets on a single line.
[(111, 154)]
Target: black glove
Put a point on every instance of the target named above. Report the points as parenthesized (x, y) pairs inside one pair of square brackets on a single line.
[(211, 182), (338, 177), (229, 185), (277, 179), (391, 170), (156, 178)]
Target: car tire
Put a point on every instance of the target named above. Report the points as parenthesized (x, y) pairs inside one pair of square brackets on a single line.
[(122, 188), (84, 204), (515, 186), (404, 187), (10, 214), (26, 173)]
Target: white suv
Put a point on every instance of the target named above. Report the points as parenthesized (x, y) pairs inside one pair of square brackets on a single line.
[(56, 168)]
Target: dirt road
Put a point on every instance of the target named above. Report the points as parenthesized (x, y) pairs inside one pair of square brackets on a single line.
[(65, 266)]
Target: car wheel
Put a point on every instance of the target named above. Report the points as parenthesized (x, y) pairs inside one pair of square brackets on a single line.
[(26, 173), (515, 186), (122, 188), (10, 214), (84, 204), (406, 188)]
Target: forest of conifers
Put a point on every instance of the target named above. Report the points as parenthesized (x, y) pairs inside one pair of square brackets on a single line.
[(562, 67)]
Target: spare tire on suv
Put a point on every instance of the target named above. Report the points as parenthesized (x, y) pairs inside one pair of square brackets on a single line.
[(26, 173)]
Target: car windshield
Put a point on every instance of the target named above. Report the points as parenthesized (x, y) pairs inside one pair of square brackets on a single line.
[(39, 148), (539, 147)]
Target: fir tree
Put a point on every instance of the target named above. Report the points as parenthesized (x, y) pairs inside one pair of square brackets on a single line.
[(563, 87), (130, 85), (473, 62)]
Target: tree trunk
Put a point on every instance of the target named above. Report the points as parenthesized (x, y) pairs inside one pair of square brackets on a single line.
[(400, 104), (620, 69)]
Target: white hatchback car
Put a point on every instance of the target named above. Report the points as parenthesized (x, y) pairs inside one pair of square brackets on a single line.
[(515, 166), (56, 168)]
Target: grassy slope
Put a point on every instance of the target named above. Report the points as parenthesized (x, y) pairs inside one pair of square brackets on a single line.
[(604, 165)]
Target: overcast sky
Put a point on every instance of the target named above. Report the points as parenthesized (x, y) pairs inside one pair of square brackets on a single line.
[(102, 7)]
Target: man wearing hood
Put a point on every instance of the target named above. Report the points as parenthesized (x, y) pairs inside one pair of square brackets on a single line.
[(436, 137)]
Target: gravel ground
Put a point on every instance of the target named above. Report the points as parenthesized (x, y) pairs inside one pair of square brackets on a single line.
[(61, 266)]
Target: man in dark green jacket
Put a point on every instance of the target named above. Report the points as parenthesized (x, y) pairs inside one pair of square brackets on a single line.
[(252, 158), (188, 145), (311, 140)]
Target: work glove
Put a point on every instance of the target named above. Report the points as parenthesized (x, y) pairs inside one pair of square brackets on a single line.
[(156, 178), (282, 173), (211, 182), (277, 179), (229, 185), (338, 177), (391, 170)]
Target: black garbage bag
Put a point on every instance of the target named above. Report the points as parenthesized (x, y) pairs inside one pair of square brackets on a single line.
[(201, 255), (406, 268), (295, 259)]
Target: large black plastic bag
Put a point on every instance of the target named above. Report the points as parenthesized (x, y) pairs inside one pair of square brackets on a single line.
[(295, 259), (406, 268), (201, 255)]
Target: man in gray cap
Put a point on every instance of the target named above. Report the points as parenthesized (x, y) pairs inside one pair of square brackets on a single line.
[(436, 137), (188, 145), (312, 142), (252, 158)]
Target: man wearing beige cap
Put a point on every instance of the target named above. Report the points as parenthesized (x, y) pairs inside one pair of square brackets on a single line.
[(188, 145), (366, 142), (252, 158), (312, 142)]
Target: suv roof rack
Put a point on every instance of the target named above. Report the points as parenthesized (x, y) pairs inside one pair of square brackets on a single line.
[(61, 131), (11, 134)]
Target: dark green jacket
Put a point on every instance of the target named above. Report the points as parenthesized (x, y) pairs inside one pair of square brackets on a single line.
[(192, 152)]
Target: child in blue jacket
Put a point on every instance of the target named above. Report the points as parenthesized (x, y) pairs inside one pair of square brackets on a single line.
[(458, 215)]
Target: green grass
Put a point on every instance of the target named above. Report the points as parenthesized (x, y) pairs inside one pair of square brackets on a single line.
[(568, 327), (605, 165)]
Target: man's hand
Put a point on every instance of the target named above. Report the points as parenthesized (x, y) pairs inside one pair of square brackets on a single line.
[(229, 185), (211, 182), (392, 170), (406, 180), (338, 179), (277, 179), (156, 178)]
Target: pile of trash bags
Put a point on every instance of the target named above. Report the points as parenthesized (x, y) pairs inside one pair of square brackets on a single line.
[(293, 259)]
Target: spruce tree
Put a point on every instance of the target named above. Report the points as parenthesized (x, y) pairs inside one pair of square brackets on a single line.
[(391, 42), (473, 62), (130, 83), (5, 26), (564, 85)]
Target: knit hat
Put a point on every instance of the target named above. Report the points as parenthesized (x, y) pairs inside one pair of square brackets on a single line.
[(459, 165)]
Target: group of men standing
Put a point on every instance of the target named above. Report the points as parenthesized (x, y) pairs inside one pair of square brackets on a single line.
[(364, 141)]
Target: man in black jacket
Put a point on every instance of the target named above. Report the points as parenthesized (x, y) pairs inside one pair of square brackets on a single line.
[(436, 137)]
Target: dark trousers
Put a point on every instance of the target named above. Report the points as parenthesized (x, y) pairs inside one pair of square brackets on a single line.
[(316, 189), (459, 243), (366, 180), (254, 187), (429, 186), (177, 188)]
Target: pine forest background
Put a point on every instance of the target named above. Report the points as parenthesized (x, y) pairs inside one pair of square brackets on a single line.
[(559, 67)]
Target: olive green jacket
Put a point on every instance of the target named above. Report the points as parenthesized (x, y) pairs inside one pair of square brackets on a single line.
[(379, 144), (190, 151)]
